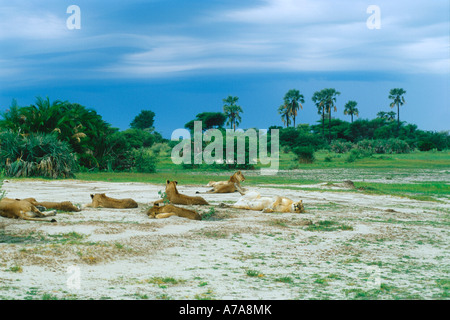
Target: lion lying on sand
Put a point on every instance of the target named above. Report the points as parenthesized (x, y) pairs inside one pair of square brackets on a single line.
[(230, 186), (100, 200), (63, 206), (22, 209), (174, 197), (254, 201), (169, 210)]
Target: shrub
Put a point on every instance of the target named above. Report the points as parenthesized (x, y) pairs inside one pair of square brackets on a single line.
[(358, 154), (161, 149), (304, 154), (383, 146), (36, 155), (341, 146), (301, 137), (425, 145), (371, 146), (143, 161), (396, 146)]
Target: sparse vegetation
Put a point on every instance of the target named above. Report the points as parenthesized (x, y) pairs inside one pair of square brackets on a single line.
[(327, 225)]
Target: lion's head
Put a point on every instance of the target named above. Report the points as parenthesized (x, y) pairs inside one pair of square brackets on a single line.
[(171, 186), (98, 196), (298, 207), (238, 177)]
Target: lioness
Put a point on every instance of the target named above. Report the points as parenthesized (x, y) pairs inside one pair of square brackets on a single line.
[(174, 197), (169, 210), (63, 206), (230, 186), (20, 209), (254, 201), (100, 200)]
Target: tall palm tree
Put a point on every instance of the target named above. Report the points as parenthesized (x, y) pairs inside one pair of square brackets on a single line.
[(326, 99), (351, 109), (293, 101), (285, 114), (317, 98), (232, 111), (396, 95)]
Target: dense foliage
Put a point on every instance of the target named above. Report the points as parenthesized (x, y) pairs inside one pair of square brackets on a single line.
[(81, 132), (37, 154)]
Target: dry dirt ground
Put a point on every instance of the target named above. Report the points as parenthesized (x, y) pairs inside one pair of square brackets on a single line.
[(347, 245)]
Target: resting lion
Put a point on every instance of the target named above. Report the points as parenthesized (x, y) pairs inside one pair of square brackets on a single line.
[(169, 210), (21, 209), (174, 197), (63, 206), (254, 201), (100, 200), (230, 186)]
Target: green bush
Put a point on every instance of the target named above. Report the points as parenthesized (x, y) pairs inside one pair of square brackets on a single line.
[(341, 146), (358, 154), (379, 146), (143, 161), (371, 146), (36, 155), (397, 146), (304, 154), (425, 145), (161, 149), (301, 136)]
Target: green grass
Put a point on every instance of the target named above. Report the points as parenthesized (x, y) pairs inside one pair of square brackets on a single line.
[(379, 162), (185, 177), (384, 166), (413, 160), (327, 225), (419, 191), (163, 282)]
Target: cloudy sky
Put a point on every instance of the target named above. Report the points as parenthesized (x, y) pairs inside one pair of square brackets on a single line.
[(179, 58)]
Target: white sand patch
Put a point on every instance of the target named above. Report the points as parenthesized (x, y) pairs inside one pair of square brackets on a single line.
[(123, 254)]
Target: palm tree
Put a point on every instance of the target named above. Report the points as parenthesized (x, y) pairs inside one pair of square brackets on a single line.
[(232, 111), (390, 115), (293, 101), (382, 115), (351, 109), (318, 101), (396, 95), (43, 116), (285, 114), (326, 99)]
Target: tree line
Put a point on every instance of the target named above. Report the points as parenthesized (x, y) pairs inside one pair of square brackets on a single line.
[(57, 138), (325, 102), (383, 127)]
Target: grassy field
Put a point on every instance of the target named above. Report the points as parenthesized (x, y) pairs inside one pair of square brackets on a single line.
[(372, 175)]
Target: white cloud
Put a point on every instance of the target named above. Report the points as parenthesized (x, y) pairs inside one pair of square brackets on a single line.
[(272, 35), (20, 23)]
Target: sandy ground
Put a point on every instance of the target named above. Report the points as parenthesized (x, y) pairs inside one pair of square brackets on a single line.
[(390, 247)]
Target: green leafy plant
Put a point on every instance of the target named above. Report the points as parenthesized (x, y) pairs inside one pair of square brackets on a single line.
[(36, 155), (304, 154)]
